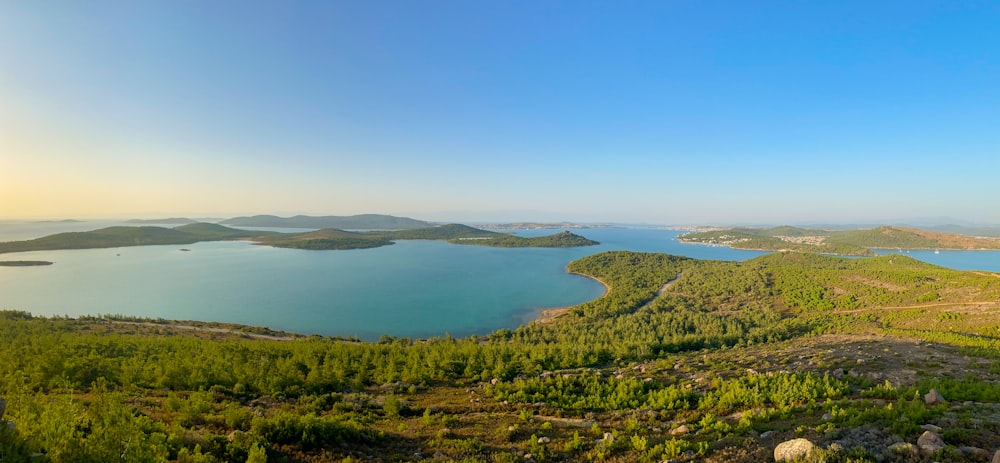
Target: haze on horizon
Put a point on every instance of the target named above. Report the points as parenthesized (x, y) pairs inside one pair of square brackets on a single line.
[(654, 112)]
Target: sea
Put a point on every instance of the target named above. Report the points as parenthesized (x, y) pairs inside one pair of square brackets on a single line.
[(414, 289)]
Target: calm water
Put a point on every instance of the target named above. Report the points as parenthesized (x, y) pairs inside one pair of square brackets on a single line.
[(412, 288)]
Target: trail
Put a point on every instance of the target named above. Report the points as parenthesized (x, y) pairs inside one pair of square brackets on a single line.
[(663, 289)]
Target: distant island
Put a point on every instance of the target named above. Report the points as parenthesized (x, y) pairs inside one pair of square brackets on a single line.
[(325, 239), (60, 221), (23, 263), (171, 220), (840, 242), (352, 222)]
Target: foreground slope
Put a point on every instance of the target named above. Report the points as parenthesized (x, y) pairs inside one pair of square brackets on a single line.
[(681, 360)]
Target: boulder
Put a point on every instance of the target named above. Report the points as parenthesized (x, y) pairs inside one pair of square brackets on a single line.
[(930, 442), (996, 457), (933, 398), (976, 453), (930, 427), (793, 449), (544, 440), (680, 430)]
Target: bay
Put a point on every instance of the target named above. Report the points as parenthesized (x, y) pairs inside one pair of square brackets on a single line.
[(410, 289)]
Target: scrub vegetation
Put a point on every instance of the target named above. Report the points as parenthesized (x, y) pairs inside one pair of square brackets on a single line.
[(682, 360)]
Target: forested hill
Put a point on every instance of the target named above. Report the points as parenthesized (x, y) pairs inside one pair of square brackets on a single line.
[(843, 242), (453, 233), (112, 237), (353, 222), (681, 360), (563, 239)]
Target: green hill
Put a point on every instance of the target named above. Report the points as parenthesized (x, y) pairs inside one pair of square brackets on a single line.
[(113, 237), (558, 240)]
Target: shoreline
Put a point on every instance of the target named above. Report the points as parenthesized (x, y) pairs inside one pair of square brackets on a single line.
[(549, 315)]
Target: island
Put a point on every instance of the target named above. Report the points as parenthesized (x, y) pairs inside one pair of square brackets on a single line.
[(170, 220), (839, 242), (23, 263), (324, 239)]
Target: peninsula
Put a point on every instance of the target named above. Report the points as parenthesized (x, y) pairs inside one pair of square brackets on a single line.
[(840, 242), (23, 263)]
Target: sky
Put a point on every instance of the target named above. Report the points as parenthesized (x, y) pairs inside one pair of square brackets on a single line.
[(660, 112)]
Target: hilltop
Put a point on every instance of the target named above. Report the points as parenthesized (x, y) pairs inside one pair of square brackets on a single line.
[(842, 242), (682, 360)]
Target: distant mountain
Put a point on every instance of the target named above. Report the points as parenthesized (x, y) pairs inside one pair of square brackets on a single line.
[(352, 222), (171, 220)]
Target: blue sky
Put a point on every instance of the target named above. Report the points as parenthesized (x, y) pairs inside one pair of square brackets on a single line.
[(671, 112)]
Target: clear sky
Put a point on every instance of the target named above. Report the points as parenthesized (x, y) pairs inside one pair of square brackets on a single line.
[(658, 112)]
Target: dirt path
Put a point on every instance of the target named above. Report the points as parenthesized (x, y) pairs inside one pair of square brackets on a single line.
[(663, 289)]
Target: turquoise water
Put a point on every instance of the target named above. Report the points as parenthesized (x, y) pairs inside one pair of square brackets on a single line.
[(412, 288)]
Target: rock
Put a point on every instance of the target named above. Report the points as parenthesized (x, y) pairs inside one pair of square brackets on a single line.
[(544, 440), (793, 449), (930, 442), (494, 381), (931, 428), (3, 406), (528, 456), (826, 417), (511, 428), (933, 398), (974, 452), (903, 448), (839, 373), (233, 435), (680, 430), (996, 457), (766, 435), (608, 437)]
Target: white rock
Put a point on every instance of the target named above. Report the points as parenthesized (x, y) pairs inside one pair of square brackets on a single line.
[(793, 449), (680, 430)]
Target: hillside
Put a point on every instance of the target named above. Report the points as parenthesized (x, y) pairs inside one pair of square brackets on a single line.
[(681, 360), (842, 242), (353, 222)]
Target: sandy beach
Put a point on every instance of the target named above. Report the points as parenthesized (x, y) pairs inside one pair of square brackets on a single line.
[(550, 315)]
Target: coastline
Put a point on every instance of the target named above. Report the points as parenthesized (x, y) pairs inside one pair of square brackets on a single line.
[(546, 316)]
